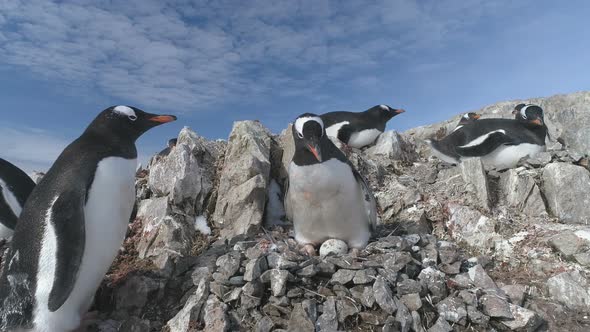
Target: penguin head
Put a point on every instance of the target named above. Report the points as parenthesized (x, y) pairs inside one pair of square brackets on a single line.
[(529, 114), (308, 132), (126, 122), (469, 118), (384, 112)]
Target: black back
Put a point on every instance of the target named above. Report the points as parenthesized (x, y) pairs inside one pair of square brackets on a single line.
[(19, 184), (69, 180), (375, 117)]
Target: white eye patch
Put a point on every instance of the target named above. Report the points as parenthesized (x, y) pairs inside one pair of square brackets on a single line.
[(300, 122), (523, 111), (125, 110), (384, 107), (466, 116)]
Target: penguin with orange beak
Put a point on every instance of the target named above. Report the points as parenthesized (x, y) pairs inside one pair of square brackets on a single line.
[(326, 198)]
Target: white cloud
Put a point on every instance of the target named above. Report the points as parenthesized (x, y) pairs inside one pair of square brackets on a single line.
[(188, 56)]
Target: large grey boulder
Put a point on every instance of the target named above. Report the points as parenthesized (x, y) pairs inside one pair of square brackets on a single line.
[(570, 289), (244, 180), (521, 192), (566, 188), (471, 226), (392, 145), (187, 174), (474, 175)]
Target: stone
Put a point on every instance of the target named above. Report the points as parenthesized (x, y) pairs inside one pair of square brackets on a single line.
[(412, 301), (278, 282), (413, 220), (496, 306), (300, 320), (448, 252), (480, 278), (345, 308), (516, 293), (277, 261), (472, 227), (134, 324), (135, 293), (252, 293), (453, 310), (570, 289), (469, 298), (363, 277), (441, 325), (403, 316), (383, 296), (215, 317), (326, 268), (474, 175), (192, 310), (521, 192), (255, 268), (417, 322), (569, 243), (363, 294), (328, 320), (333, 247), (408, 286), (265, 324), (187, 173), (373, 318), (308, 271), (392, 145), (435, 282), (390, 325), (566, 188), (311, 308), (244, 180), (477, 317), (343, 277), (229, 264), (524, 319)]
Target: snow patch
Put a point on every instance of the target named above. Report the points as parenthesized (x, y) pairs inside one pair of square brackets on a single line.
[(201, 225)]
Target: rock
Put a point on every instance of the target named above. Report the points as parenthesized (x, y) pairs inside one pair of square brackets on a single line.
[(192, 310), (412, 301), (308, 271), (333, 247), (244, 180), (393, 197), (448, 252), (390, 325), (474, 175), (363, 277), (521, 192), (343, 277), (229, 264), (496, 307), (135, 292), (383, 296), (326, 268), (373, 318), (187, 173), (477, 317), (328, 321), (516, 293), (265, 324), (472, 227), (566, 189), (572, 245), (215, 318), (278, 282), (277, 261), (524, 319), (134, 324), (392, 146), (441, 326), (417, 322), (403, 317), (469, 298), (480, 278), (252, 293), (408, 286), (300, 320), (413, 220), (363, 294), (539, 160), (345, 308), (255, 268), (434, 281), (453, 310), (571, 290)]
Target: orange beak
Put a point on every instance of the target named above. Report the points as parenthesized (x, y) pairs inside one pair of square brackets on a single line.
[(477, 116), (163, 118), (400, 111), (315, 152), (537, 122)]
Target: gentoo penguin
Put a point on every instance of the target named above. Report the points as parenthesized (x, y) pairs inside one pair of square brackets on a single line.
[(73, 225), (500, 143), (15, 188), (326, 197), (444, 149), (360, 129), (467, 118)]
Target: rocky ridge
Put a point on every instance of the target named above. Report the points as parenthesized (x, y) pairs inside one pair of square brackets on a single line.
[(458, 249)]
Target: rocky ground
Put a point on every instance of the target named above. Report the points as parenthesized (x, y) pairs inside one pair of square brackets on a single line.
[(459, 248)]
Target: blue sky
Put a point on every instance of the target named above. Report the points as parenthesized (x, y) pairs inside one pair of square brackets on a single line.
[(214, 62)]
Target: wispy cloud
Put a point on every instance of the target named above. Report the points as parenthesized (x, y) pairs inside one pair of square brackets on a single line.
[(191, 55)]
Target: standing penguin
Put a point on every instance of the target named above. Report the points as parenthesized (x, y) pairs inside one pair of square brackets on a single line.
[(73, 225), (360, 129), (15, 188), (326, 197), (501, 143)]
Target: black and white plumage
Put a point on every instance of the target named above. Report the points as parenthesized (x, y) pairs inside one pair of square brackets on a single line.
[(73, 225), (15, 188), (500, 143), (326, 197), (360, 129), (467, 118)]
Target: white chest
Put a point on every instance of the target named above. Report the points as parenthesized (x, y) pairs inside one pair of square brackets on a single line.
[(363, 138), (327, 178)]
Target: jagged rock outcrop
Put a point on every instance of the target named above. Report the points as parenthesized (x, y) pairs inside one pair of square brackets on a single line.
[(566, 188), (244, 180)]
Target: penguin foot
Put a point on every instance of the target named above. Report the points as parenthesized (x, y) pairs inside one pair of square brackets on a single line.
[(309, 250)]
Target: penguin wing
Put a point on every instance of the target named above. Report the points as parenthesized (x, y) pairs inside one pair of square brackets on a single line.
[(485, 144), (345, 132), (67, 217), (368, 198)]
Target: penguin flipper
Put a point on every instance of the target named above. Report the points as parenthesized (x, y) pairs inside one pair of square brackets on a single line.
[(67, 214), (345, 132), (485, 144), (368, 198)]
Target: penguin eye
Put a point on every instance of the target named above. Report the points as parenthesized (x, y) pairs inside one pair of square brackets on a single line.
[(132, 117), (300, 135)]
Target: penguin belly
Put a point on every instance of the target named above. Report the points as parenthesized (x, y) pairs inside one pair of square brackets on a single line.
[(508, 156), (327, 203), (107, 212), (363, 138)]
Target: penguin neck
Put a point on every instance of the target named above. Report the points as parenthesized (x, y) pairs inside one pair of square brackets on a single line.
[(118, 145), (304, 157)]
